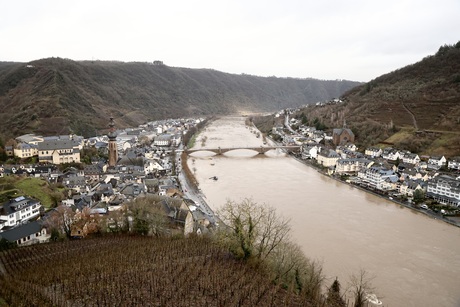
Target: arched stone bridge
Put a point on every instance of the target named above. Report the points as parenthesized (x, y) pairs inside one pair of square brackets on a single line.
[(261, 149)]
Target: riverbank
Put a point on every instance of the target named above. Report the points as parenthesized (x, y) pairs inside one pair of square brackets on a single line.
[(427, 212)]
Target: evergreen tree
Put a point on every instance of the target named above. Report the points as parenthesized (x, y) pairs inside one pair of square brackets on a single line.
[(334, 298)]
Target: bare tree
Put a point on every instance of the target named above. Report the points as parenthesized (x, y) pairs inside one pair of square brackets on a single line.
[(360, 288), (254, 230), (61, 219)]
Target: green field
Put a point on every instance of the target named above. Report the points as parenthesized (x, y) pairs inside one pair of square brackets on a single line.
[(12, 186)]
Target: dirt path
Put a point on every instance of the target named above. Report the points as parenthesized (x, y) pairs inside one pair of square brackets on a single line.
[(414, 120)]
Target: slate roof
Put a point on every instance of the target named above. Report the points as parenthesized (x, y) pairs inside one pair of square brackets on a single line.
[(18, 204), (56, 144), (21, 231)]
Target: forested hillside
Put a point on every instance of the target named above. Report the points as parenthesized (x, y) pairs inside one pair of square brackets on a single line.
[(416, 107), (54, 95)]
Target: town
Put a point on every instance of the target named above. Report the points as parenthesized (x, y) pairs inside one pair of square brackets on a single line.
[(430, 184), (97, 179)]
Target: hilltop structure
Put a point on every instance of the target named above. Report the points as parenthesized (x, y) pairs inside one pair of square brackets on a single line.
[(113, 152)]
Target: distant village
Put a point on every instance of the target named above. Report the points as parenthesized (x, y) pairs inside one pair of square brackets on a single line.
[(138, 162), (428, 183), (135, 162)]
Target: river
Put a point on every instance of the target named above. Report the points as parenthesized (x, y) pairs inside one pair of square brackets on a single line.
[(414, 259)]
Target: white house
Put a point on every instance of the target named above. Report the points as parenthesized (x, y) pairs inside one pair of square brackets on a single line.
[(437, 160), (445, 189), (454, 163), (391, 154), (373, 152), (19, 210), (162, 140), (26, 234), (378, 177), (327, 157), (310, 152), (353, 165), (411, 158)]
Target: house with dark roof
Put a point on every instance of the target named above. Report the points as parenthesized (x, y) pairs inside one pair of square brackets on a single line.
[(379, 177), (177, 213), (411, 158), (444, 189), (373, 152), (454, 163), (436, 162), (391, 154), (196, 221), (132, 190), (327, 157), (19, 210), (163, 140), (58, 151), (94, 172), (24, 150), (408, 187), (26, 234)]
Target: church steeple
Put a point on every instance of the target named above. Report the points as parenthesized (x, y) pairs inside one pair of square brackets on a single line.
[(113, 152)]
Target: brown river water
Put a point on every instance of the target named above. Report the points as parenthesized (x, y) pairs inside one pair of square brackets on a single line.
[(414, 259)]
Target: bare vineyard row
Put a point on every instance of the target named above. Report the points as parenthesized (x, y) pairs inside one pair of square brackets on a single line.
[(135, 270)]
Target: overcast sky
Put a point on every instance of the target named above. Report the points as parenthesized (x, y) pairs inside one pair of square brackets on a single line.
[(326, 39)]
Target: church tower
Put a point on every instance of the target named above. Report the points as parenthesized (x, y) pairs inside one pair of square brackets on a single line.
[(113, 154)]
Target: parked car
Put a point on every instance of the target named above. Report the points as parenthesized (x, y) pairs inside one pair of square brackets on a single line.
[(424, 207)]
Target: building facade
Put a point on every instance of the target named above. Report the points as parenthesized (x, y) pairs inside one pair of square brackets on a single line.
[(342, 136), (444, 189), (19, 210), (23, 150), (58, 151), (327, 158), (378, 178)]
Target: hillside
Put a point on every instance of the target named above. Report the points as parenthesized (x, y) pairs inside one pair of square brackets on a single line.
[(14, 186), (419, 102), (53, 96), (135, 271)]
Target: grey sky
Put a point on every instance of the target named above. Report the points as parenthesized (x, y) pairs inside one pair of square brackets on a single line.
[(326, 39)]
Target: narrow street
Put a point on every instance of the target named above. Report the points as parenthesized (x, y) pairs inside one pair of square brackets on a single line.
[(196, 195)]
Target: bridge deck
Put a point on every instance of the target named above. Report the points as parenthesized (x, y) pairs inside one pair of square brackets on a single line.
[(260, 149)]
